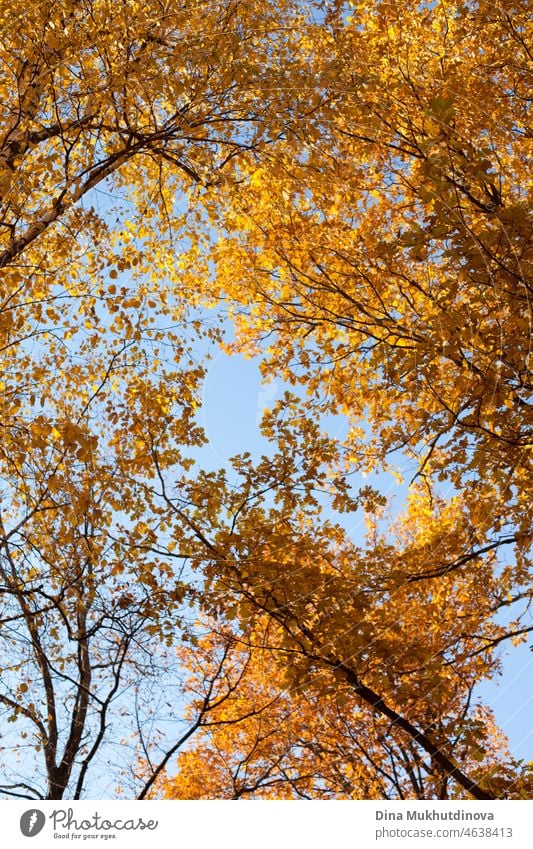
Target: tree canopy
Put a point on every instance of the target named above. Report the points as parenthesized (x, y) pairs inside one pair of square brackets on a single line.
[(352, 197)]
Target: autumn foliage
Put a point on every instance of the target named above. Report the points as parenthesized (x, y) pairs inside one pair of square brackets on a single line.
[(351, 195)]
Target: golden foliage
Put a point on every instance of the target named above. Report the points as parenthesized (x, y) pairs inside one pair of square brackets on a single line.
[(356, 192)]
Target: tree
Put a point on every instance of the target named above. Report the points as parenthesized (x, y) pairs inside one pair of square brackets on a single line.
[(110, 115), (338, 182), (363, 625), (390, 265), (274, 738)]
